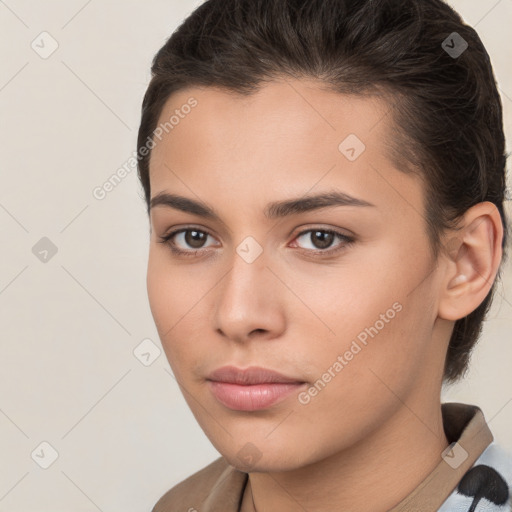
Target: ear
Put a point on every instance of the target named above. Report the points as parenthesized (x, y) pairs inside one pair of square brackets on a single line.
[(473, 256)]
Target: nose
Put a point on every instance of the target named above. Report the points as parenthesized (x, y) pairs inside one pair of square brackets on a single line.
[(250, 301)]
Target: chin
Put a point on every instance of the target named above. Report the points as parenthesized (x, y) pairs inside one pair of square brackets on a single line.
[(250, 459)]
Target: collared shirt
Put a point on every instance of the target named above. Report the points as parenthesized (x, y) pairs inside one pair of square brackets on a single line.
[(474, 475)]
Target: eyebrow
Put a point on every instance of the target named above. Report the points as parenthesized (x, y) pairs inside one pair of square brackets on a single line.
[(274, 210)]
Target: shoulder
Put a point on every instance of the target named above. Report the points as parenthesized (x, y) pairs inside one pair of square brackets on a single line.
[(217, 481)]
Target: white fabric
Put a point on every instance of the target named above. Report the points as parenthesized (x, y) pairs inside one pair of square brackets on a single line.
[(490, 484)]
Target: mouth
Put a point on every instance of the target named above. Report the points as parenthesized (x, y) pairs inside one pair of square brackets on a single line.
[(251, 389)]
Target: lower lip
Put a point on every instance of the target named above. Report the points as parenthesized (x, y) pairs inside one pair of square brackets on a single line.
[(252, 397)]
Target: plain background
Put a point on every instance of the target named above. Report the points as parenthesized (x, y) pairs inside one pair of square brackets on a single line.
[(70, 325)]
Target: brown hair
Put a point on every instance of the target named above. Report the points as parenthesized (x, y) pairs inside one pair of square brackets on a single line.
[(446, 105)]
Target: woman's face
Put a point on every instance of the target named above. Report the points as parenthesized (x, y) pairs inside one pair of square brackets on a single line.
[(341, 299)]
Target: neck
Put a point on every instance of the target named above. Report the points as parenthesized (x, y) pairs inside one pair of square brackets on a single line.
[(372, 476)]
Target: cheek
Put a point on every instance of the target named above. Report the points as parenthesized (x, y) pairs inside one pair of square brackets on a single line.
[(384, 358), (352, 299), (175, 295), (172, 289), (166, 295), (160, 300), (378, 316)]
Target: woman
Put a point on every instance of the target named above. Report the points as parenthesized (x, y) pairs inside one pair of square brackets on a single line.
[(325, 183)]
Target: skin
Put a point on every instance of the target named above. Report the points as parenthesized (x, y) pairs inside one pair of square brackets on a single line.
[(377, 425)]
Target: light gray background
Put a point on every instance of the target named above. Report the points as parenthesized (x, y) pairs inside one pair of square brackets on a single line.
[(68, 374)]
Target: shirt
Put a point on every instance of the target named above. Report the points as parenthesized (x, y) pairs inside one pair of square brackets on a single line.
[(474, 475)]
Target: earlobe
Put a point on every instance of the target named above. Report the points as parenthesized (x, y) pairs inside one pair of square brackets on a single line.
[(473, 257)]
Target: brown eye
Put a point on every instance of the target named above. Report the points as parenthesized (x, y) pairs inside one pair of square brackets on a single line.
[(195, 239), (322, 239), (186, 241)]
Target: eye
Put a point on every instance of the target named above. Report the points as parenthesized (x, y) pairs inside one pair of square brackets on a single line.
[(191, 237), (191, 241), (322, 239)]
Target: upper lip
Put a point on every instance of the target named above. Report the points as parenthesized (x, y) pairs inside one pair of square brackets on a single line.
[(247, 376)]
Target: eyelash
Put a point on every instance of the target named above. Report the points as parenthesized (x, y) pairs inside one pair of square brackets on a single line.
[(347, 241)]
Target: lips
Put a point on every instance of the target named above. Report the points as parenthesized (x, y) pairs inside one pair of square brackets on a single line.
[(248, 376), (251, 389)]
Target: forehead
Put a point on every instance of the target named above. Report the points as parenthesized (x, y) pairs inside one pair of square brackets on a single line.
[(290, 110), (287, 138)]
